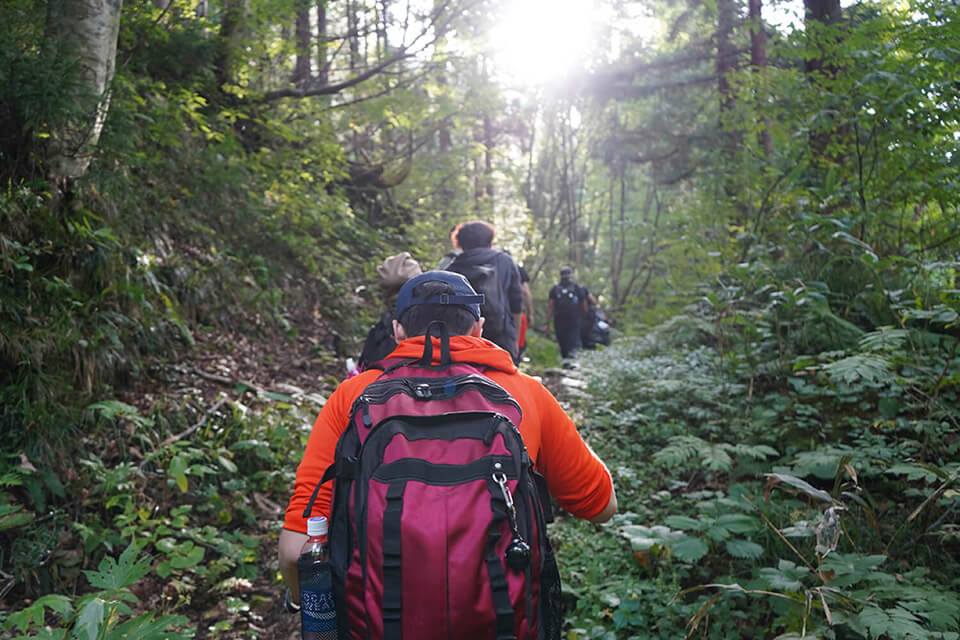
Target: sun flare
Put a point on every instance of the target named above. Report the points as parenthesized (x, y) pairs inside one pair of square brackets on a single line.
[(541, 41)]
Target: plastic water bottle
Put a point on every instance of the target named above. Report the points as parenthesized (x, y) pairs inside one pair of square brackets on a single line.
[(318, 617)]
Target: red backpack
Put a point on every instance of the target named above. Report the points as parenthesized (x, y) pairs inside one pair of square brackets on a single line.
[(438, 519)]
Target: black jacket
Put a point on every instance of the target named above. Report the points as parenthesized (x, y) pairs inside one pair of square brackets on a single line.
[(511, 293)]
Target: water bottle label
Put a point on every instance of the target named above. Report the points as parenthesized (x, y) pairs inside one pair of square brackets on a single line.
[(318, 613)]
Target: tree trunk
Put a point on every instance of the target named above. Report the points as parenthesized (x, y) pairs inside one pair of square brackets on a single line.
[(353, 34), (232, 24), (729, 139), (301, 69), (827, 11), (478, 173), (758, 62), (383, 19), (816, 13), (758, 37), (820, 14), (322, 62), (86, 30), (488, 144), (726, 10)]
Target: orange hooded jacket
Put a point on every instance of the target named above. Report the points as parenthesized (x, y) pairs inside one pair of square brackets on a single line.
[(576, 477)]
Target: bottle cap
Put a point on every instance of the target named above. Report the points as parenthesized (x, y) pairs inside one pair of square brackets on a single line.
[(317, 526)]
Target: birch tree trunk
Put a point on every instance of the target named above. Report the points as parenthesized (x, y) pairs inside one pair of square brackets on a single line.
[(87, 31)]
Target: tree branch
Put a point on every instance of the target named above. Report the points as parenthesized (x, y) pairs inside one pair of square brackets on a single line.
[(331, 89), (183, 434)]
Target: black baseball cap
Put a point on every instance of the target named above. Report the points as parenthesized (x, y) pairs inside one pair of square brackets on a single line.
[(462, 293)]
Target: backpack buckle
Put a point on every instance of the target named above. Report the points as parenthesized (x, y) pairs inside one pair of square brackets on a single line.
[(422, 391)]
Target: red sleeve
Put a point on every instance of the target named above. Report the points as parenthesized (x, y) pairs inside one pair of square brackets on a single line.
[(576, 477), (331, 422)]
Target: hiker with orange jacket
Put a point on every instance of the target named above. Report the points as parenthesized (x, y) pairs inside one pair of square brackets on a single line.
[(575, 476)]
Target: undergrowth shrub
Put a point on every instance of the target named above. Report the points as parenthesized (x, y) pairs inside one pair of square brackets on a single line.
[(105, 613), (196, 492), (815, 497)]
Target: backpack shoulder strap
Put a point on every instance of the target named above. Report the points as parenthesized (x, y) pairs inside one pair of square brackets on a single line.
[(341, 469), (389, 365)]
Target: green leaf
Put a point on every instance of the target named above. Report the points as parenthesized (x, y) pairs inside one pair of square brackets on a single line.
[(787, 576), (896, 623), (757, 451), (166, 545), (915, 472), (717, 534), (743, 549), (191, 556), (227, 463), (178, 471), (870, 369), (14, 515), (90, 619), (684, 523), (25, 617), (690, 549), (116, 574), (738, 522), (56, 602), (850, 568), (144, 627), (112, 409), (643, 538), (889, 407), (802, 485)]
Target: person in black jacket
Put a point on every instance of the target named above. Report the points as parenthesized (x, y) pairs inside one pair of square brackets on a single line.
[(566, 305), (494, 274)]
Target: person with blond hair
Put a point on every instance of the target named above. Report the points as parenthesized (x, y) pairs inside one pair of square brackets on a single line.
[(393, 274)]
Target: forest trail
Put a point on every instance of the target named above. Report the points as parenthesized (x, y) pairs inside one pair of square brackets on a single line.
[(244, 367)]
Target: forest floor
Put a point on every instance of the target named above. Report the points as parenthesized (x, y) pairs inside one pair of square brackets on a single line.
[(243, 364)]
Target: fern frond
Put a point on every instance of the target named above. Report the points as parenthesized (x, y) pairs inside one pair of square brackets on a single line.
[(884, 340), (870, 369)]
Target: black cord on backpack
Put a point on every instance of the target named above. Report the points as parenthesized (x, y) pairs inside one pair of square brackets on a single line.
[(444, 335)]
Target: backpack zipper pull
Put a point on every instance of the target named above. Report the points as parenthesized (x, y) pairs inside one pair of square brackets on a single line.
[(367, 421)]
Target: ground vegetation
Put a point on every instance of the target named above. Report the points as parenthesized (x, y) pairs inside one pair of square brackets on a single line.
[(192, 210)]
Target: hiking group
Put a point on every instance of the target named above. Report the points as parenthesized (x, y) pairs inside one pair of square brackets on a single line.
[(435, 467)]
